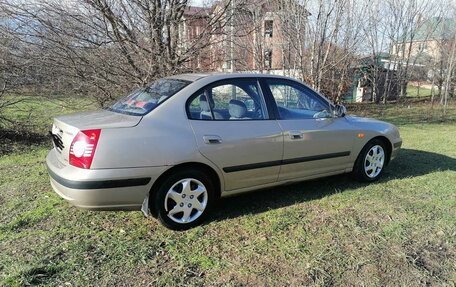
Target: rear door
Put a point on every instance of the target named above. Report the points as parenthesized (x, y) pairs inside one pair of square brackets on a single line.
[(315, 142), (233, 129)]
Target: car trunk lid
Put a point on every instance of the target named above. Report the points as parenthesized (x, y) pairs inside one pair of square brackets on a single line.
[(66, 127)]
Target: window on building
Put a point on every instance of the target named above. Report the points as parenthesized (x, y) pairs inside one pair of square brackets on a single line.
[(268, 59), (422, 46), (268, 27)]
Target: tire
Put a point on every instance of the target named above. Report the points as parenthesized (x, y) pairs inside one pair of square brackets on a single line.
[(371, 161), (184, 199)]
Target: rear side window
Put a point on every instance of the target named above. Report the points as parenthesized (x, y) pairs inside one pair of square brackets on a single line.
[(144, 100), (228, 100)]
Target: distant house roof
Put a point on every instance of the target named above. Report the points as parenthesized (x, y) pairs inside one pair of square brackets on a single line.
[(436, 28), (382, 60), (371, 60)]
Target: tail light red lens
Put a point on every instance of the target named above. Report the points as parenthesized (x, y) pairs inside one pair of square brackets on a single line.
[(83, 147)]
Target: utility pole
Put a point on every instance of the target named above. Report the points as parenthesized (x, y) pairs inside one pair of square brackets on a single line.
[(232, 38)]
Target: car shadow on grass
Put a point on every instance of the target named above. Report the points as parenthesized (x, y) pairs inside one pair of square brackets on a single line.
[(15, 140), (410, 163)]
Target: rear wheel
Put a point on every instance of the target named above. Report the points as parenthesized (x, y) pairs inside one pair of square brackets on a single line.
[(184, 199), (371, 161)]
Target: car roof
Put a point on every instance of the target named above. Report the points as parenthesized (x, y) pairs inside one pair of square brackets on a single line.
[(220, 76), (188, 77)]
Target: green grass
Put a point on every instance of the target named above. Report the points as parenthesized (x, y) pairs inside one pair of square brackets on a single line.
[(31, 119), (415, 91), (400, 231)]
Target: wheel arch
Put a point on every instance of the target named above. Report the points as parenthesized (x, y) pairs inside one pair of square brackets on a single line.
[(388, 145), (185, 166)]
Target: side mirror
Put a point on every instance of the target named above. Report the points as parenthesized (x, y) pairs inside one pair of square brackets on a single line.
[(340, 110)]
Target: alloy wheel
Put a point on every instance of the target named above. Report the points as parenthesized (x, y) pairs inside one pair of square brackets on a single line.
[(186, 200), (374, 161)]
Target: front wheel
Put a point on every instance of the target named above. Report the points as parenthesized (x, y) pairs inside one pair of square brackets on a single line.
[(184, 199), (371, 161)]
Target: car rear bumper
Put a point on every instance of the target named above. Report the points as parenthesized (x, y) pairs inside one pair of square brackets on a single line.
[(101, 189)]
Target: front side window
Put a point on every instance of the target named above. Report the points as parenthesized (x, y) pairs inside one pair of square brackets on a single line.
[(295, 101), (229, 100), (144, 100)]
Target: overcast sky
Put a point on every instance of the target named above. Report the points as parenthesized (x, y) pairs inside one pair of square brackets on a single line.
[(199, 3)]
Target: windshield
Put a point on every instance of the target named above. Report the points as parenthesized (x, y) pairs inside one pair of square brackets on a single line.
[(144, 100)]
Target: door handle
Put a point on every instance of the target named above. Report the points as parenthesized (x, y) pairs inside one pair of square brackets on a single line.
[(212, 139), (295, 135)]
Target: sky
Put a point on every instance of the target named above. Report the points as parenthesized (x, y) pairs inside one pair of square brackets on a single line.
[(198, 3)]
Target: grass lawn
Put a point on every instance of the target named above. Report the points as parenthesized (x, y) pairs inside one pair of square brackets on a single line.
[(400, 231), (414, 91)]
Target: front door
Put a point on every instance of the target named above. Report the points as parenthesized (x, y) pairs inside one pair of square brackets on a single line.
[(315, 142), (233, 130)]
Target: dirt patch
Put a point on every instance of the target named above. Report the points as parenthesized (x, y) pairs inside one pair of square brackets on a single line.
[(12, 140), (428, 257)]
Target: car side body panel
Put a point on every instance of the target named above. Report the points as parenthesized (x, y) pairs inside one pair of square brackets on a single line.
[(323, 145), (243, 146), (372, 128)]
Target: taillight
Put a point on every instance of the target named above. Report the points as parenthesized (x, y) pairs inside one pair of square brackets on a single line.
[(83, 147)]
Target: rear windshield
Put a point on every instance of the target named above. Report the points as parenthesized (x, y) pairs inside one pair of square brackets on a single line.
[(144, 100)]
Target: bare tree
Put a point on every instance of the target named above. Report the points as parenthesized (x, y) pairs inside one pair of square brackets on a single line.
[(321, 40), (103, 47), (449, 56)]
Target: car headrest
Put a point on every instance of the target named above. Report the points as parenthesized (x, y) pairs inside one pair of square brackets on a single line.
[(237, 109)]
